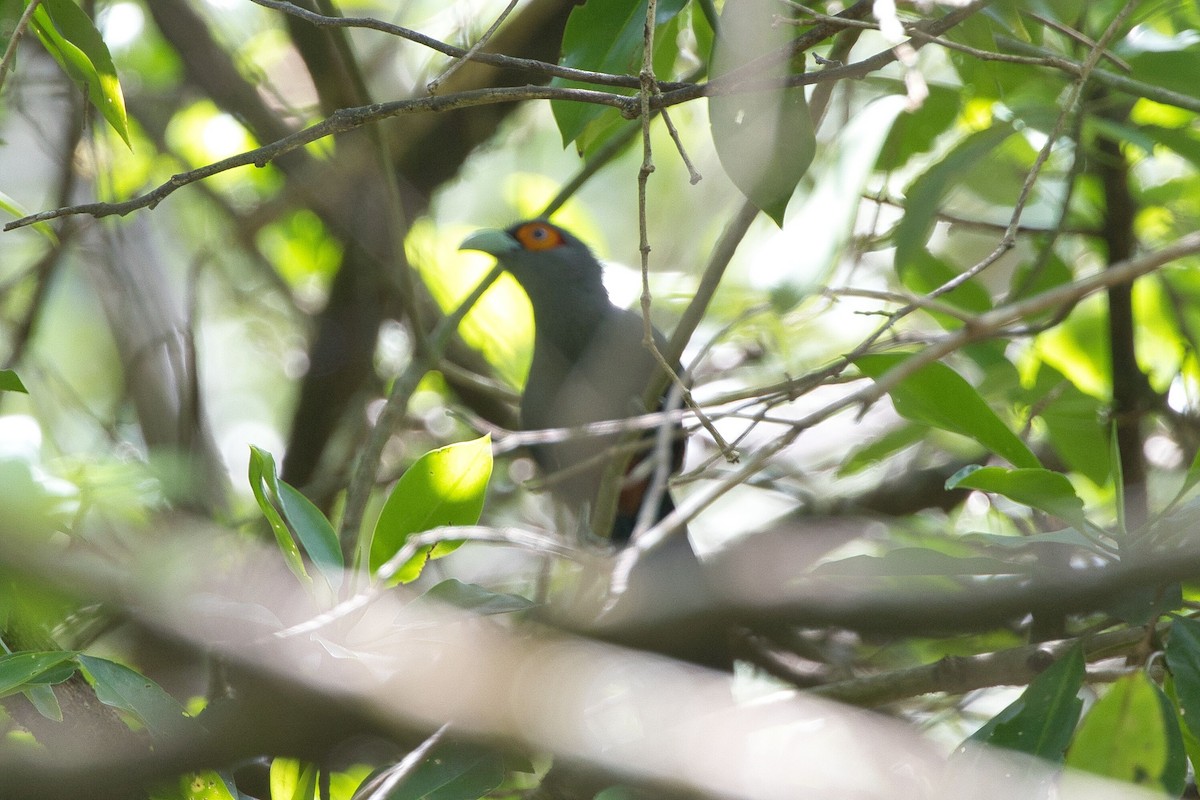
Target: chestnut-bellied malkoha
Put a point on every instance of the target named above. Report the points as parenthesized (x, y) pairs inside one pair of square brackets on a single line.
[(589, 364)]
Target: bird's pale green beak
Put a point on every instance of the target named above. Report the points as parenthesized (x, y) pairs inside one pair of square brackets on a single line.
[(491, 241)]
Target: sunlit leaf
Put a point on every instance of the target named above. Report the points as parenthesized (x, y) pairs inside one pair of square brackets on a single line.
[(292, 779), (207, 785), (265, 485), (1042, 489), (1127, 736), (500, 325), (10, 206), (443, 487), (937, 395), (69, 35), (10, 382), (605, 36)]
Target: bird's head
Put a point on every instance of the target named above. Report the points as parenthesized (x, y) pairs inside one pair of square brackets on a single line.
[(549, 263)]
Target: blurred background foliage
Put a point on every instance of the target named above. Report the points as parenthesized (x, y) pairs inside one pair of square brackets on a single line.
[(274, 306)]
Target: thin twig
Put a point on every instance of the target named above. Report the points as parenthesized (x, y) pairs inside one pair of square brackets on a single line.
[(381, 786), (1008, 240), (363, 478), (10, 52), (920, 301), (694, 177), (493, 59), (987, 325), (514, 537), (1080, 38), (1070, 107), (340, 121), (433, 85)]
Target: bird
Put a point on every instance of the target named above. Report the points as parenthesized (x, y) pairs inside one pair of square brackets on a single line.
[(590, 364)]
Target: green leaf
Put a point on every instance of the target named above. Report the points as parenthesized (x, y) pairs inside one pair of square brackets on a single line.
[(1169, 68), (18, 670), (1067, 536), (609, 123), (889, 443), (1128, 736), (10, 206), (917, 131), (1040, 722), (452, 771), (827, 212), (1175, 772), (920, 561), (764, 137), (122, 688), (937, 395), (443, 487), (605, 36), (1074, 424), (207, 785), (292, 779), (1190, 478), (1042, 489), (315, 533), (1183, 659), (265, 485), (1039, 275), (42, 698), (69, 35), (1191, 744), (924, 197), (1181, 140), (473, 597), (9, 382), (923, 272)]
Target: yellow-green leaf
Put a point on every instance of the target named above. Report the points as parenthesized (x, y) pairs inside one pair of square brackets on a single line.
[(265, 485), (443, 487), (1127, 736), (11, 382), (1039, 488), (10, 206), (69, 35)]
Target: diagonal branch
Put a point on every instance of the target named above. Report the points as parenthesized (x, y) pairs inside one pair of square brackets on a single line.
[(340, 121)]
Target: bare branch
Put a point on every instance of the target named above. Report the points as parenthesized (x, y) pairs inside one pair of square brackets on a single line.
[(493, 59), (340, 121)]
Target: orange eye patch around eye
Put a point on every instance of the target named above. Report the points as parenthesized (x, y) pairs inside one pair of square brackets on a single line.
[(539, 236)]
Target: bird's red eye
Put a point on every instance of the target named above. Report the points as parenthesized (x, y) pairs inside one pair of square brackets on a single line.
[(539, 236)]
